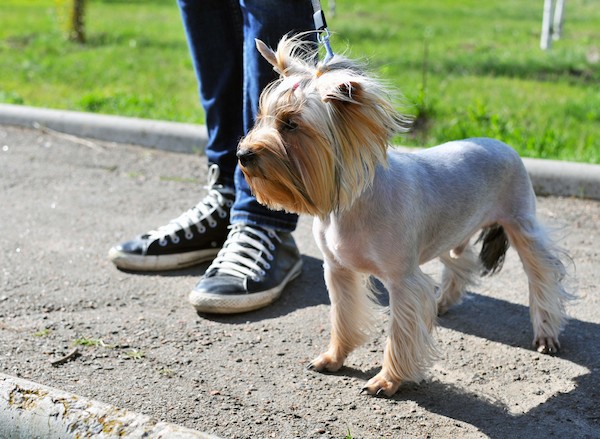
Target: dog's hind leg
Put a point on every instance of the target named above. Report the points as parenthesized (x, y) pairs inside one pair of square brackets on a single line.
[(409, 348), (545, 272), (460, 267), (353, 309)]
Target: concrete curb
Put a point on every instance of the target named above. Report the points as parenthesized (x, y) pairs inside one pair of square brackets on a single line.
[(30, 410), (549, 177), (567, 179), (170, 136)]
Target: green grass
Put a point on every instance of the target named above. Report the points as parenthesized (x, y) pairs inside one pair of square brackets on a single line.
[(85, 341), (42, 332), (135, 355), (135, 62), (466, 68)]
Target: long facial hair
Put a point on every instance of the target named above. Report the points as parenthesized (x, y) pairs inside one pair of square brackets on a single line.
[(321, 132)]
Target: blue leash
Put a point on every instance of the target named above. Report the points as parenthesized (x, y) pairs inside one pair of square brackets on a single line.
[(321, 27)]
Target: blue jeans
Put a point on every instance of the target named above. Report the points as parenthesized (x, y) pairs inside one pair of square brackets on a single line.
[(231, 74)]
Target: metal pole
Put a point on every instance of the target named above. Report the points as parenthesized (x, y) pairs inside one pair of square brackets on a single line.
[(545, 41), (558, 19)]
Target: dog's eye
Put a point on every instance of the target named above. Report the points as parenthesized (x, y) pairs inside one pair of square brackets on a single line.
[(289, 125)]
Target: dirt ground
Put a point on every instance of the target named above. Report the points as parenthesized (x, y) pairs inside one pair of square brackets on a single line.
[(63, 204)]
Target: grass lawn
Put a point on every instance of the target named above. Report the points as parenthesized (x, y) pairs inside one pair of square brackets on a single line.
[(466, 68)]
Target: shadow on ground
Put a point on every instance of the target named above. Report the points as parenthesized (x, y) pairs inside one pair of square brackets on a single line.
[(508, 323)]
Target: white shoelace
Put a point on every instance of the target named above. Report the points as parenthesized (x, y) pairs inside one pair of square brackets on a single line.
[(194, 216), (247, 252)]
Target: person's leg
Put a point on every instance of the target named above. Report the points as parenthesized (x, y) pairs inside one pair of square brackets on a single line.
[(214, 30), (266, 20), (260, 256)]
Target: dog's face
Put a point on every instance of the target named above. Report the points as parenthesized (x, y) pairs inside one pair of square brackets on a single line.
[(286, 158), (319, 135)]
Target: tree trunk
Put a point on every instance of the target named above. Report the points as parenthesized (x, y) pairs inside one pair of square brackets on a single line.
[(77, 21)]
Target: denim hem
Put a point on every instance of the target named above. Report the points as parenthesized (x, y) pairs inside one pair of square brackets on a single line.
[(264, 221)]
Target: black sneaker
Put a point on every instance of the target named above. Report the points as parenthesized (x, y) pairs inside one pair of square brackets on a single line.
[(195, 236), (250, 271)]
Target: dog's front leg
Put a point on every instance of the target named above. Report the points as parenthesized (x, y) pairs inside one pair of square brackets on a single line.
[(409, 348), (352, 311)]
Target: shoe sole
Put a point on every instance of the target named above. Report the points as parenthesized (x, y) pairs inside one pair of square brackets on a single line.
[(127, 261), (224, 304)]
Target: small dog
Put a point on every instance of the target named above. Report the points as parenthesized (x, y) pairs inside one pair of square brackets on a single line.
[(320, 147)]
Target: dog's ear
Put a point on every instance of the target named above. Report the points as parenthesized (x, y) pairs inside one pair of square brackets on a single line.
[(267, 53), (289, 59), (346, 92), (281, 64)]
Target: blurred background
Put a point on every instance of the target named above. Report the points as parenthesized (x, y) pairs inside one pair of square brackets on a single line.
[(465, 68)]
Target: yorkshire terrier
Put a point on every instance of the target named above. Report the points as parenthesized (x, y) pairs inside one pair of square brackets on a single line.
[(320, 146)]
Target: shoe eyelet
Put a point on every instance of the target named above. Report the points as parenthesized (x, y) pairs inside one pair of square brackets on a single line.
[(189, 235), (267, 266), (212, 224), (175, 239), (222, 214), (270, 257), (162, 242), (263, 272), (201, 229), (229, 203), (271, 247)]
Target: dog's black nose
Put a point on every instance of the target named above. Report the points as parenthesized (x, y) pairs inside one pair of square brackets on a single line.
[(246, 157)]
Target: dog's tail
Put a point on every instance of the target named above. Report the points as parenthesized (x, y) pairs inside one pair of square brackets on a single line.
[(493, 249)]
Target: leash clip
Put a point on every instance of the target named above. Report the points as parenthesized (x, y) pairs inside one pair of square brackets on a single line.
[(323, 32), (324, 40)]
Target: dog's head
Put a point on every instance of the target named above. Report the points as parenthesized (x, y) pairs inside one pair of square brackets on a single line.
[(320, 133)]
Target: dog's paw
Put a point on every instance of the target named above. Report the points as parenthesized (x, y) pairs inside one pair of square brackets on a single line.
[(546, 345), (326, 361), (381, 384)]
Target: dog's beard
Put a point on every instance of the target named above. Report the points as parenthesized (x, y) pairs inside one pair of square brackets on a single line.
[(279, 197)]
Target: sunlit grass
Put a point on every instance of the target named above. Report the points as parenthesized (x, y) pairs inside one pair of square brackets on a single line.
[(466, 68)]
